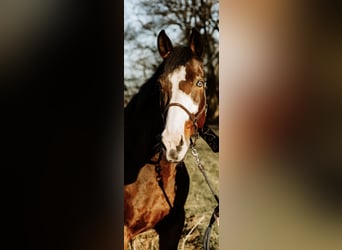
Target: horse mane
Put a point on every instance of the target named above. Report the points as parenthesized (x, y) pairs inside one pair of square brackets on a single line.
[(143, 123)]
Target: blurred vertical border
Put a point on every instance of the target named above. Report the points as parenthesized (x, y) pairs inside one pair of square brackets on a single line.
[(280, 125), (61, 85)]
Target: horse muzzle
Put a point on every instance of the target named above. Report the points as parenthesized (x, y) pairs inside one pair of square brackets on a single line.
[(175, 150)]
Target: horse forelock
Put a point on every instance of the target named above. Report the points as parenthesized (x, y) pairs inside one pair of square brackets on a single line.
[(182, 56), (178, 57)]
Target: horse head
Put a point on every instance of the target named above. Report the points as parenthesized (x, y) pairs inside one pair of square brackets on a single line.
[(183, 93)]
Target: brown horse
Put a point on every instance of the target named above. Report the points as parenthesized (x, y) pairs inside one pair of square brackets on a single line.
[(159, 123)]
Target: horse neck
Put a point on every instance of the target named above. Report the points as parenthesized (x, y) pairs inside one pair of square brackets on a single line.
[(143, 124), (144, 108)]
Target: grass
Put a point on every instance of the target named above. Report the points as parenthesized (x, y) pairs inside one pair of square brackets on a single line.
[(198, 208)]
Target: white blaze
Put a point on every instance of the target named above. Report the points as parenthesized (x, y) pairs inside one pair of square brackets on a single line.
[(176, 117)]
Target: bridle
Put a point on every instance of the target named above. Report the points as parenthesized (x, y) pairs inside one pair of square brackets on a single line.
[(193, 117)]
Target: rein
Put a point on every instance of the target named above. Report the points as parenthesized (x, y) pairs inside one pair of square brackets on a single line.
[(215, 214), (194, 119), (160, 178)]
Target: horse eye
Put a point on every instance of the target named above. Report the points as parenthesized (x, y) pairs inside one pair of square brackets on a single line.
[(199, 84)]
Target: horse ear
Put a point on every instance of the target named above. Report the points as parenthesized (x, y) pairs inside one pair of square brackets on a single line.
[(196, 44), (164, 44)]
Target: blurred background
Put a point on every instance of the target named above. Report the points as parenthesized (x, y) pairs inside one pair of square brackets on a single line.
[(59, 63), (280, 125)]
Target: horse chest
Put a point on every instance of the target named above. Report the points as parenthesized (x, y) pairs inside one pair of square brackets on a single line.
[(145, 204)]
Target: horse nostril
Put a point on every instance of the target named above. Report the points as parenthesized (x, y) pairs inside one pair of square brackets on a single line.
[(179, 147), (173, 154), (181, 141)]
